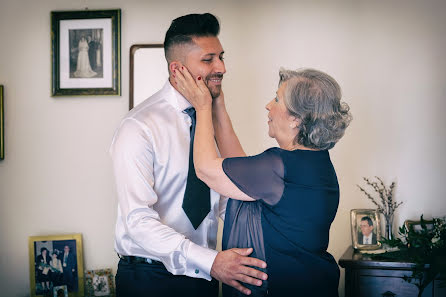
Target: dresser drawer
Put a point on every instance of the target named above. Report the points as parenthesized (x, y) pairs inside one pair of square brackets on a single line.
[(377, 286)]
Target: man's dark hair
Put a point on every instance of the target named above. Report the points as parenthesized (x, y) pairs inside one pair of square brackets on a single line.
[(368, 219), (182, 29)]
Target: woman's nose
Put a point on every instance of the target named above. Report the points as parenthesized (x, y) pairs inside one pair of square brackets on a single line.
[(267, 105)]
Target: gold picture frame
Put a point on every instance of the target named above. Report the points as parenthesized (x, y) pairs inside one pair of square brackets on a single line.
[(365, 225), (56, 260), (99, 283), (417, 226)]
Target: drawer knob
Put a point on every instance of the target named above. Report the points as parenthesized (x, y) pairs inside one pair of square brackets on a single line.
[(388, 294)]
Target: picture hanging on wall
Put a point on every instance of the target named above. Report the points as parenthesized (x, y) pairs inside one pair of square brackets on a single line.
[(366, 230), (56, 262), (86, 52), (2, 125)]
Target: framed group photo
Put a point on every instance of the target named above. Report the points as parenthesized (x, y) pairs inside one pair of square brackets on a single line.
[(86, 52), (366, 230), (56, 265)]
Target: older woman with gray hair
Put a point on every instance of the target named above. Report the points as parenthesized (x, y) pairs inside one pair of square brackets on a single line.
[(284, 199)]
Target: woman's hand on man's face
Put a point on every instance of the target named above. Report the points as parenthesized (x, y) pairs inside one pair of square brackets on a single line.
[(193, 89)]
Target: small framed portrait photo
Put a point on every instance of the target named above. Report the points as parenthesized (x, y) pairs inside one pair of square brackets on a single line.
[(366, 230), (56, 265), (86, 52), (99, 283)]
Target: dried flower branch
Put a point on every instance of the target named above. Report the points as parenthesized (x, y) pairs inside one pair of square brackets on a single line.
[(385, 204)]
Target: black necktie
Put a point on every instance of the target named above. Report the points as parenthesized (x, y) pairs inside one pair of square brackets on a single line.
[(196, 202)]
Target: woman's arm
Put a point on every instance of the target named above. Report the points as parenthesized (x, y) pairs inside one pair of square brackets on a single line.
[(227, 141), (208, 165)]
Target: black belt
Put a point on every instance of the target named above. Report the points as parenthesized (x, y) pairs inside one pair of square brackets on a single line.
[(135, 259)]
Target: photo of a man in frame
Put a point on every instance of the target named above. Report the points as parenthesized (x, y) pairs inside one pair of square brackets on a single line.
[(86, 56), (366, 234)]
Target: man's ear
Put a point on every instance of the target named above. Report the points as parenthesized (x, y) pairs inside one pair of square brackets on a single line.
[(175, 65)]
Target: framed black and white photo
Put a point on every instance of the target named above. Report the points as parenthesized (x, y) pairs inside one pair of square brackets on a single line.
[(366, 230), (56, 262), (86, 52), (2, 125)]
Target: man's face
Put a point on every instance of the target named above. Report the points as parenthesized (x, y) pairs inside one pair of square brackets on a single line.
[(66, 249), (205, 59), (366, 229)]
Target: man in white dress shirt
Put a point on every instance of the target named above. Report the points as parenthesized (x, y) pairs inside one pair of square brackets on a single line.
[(366, 236), (164, 249)]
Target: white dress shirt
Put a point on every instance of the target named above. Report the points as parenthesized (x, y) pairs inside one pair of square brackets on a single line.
[(367, 239), (150, 154)]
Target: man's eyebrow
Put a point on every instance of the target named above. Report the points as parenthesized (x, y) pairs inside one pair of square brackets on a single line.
[(214, 54)]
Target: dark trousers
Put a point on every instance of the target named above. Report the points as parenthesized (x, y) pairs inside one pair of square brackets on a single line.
[(153, 280)]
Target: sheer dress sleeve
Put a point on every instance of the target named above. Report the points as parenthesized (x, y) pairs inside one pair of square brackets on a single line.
[(260, 176)]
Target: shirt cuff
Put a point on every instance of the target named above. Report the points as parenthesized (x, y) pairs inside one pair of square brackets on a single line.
[(199, 261)]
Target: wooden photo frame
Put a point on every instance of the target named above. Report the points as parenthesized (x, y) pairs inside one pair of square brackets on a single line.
[(2, 125), (86, 52), (148, 72), (99, 283), (56, 261), (366, 229)]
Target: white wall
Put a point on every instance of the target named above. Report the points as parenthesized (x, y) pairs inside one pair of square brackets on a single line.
[(386, 55)]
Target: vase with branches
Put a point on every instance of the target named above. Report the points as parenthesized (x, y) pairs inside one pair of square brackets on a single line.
[(385, 203)]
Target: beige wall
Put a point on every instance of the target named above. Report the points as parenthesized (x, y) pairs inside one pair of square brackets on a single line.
[(387, 56)]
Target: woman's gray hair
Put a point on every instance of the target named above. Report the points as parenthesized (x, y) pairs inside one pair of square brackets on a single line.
[(314, 97)]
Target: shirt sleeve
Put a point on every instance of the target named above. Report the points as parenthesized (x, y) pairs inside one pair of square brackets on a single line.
[(133, 156), (260, 176)]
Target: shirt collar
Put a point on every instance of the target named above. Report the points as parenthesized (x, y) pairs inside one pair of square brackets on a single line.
[(175, 98)]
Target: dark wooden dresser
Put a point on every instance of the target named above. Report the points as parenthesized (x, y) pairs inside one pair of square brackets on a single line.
[(365, 277)]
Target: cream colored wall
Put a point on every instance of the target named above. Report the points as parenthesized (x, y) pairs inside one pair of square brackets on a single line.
[(387, 56)]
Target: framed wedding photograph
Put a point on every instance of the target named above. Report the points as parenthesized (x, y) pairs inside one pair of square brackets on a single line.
[(2, 125), (86, 52), (99, 283), (56, 262), (366, 230)]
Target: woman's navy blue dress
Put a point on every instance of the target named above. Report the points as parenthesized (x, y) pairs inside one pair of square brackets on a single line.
[(297, 195)]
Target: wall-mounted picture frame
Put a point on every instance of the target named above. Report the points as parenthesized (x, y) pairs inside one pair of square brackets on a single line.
[(99, 283), (366, 229), (86, 52), (148, 72), (55, 261), (2, 125)]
